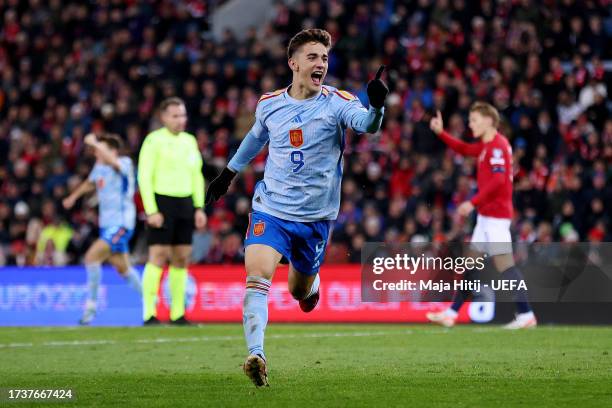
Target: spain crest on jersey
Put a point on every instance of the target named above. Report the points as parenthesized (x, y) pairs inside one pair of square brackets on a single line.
[(296, 137), (259, 228)]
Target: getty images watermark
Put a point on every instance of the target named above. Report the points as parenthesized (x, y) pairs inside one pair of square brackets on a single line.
[(551, 272)]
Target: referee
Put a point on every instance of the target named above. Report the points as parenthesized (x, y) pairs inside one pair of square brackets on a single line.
[(172, 189)]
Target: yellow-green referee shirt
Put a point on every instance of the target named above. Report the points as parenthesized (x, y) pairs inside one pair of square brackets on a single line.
[(170, 165)]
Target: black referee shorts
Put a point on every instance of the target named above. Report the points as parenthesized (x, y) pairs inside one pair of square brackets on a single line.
[(178, 221)]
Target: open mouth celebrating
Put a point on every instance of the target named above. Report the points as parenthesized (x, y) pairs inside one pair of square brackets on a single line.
[(317, 78)]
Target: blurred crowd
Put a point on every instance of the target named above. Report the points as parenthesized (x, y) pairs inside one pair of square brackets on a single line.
[(70, 67)]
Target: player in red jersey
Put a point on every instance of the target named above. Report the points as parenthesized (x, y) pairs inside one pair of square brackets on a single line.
[(493, 203)]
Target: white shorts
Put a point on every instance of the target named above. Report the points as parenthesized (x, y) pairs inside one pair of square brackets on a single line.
[(492, 235)]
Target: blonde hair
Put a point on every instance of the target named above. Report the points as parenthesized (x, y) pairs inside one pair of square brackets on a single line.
[(486, 109)]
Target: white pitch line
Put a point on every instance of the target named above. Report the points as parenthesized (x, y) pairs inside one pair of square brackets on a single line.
[(193, 339), (197, 339), (78, 342), (35, 329), (16, 345)]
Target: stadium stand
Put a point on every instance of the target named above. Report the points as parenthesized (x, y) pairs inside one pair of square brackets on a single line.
[(68, 68)]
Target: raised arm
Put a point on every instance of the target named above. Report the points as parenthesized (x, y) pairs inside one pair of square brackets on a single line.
[(469, 149), (103, 151), (355, 116)]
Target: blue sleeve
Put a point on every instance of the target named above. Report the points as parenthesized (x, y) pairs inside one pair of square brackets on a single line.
[(353, 115), (252, 144), (125, 165), (94, 173)]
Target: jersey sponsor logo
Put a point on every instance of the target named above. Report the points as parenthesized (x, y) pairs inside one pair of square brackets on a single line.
[(498, 158), (296, 137), (258, 228)]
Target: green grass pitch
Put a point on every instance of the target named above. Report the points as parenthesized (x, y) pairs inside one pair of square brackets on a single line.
[(318, 365)]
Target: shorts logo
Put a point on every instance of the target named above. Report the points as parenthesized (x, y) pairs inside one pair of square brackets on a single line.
[(258, 228), (296, 138), (319, 248), (118, 235)]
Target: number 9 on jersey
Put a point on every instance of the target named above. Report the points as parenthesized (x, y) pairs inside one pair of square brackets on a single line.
[(297, 158)]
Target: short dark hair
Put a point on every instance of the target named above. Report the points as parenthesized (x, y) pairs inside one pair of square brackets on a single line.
[(173, 100), (307, 36), (113, 141)]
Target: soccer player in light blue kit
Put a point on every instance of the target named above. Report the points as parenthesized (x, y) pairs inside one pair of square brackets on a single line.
[(299, 196), (113, 178)]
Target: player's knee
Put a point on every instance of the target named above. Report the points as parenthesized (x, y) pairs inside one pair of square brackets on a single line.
[(159, 261), (90, 258), (181, 264), (503, 262), (122, 269), (258, 271), (180, 261), (159, 258)]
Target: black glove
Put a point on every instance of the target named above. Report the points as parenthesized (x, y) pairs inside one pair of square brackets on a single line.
[(377, 90), (218, 187)]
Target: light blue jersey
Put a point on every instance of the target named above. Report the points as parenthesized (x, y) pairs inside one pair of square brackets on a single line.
[(306, 141), (115, 194)]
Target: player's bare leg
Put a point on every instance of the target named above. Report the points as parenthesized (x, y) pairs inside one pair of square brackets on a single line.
[(525, 318), (260, 262), (503, 262), (121, 262), (97, 253), (158, 257), (177, 280), (304, 288)]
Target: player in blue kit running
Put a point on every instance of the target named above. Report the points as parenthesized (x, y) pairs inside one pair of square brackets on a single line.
[(299, 196), (113, 178)]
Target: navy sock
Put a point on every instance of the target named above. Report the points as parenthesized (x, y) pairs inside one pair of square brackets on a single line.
[(462, 295), (521, 300)]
